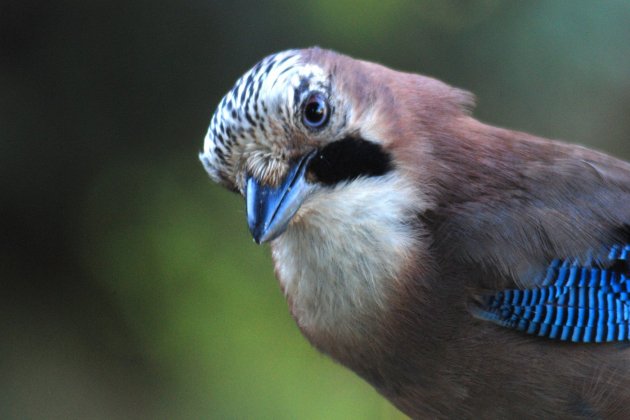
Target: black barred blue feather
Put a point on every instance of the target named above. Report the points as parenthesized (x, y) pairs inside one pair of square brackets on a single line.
[(582, 304)]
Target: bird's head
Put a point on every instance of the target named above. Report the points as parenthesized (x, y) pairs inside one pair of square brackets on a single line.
[(303, 122)]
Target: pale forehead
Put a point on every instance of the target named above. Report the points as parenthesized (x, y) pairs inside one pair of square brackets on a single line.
[(251, 99), (268, 90)]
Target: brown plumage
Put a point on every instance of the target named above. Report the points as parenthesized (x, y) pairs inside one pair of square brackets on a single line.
[(391, 212)]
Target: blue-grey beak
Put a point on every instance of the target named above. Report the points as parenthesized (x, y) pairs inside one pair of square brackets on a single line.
[(270, 209)]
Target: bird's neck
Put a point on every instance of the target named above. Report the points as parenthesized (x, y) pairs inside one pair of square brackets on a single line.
[(341, 261)]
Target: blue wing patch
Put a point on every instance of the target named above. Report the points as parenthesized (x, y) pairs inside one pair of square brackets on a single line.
[(574, 303)]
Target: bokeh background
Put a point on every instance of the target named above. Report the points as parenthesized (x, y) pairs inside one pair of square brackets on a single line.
[(130, 287)]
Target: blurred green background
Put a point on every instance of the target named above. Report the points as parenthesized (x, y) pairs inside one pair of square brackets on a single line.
[(130, 287)]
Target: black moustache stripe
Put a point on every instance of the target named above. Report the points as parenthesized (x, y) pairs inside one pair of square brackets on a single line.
[(347, 159)]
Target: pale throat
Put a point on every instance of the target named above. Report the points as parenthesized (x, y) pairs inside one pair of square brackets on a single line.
[(340, 260)]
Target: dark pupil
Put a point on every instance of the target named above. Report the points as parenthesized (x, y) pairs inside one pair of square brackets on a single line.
[(315, 112)]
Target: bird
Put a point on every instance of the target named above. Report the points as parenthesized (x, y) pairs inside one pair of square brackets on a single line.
[(461, 269)]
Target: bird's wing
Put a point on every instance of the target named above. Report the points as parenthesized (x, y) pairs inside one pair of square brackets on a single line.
[(578, 303)]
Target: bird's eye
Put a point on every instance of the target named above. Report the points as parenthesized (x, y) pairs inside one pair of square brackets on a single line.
[(316, 112)]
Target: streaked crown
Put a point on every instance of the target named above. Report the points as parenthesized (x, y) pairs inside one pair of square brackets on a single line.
[(253, 130)]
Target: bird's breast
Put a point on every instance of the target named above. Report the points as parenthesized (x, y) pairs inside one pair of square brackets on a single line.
[(342, 259)]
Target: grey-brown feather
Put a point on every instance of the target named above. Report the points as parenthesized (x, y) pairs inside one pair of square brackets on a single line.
[(504, 204)]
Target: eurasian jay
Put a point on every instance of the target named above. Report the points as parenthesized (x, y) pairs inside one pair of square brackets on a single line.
[(463, 270)]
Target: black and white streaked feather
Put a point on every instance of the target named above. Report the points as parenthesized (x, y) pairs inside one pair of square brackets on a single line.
[(254, 120)]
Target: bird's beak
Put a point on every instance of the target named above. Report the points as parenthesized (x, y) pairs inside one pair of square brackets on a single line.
[(270, 209)]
